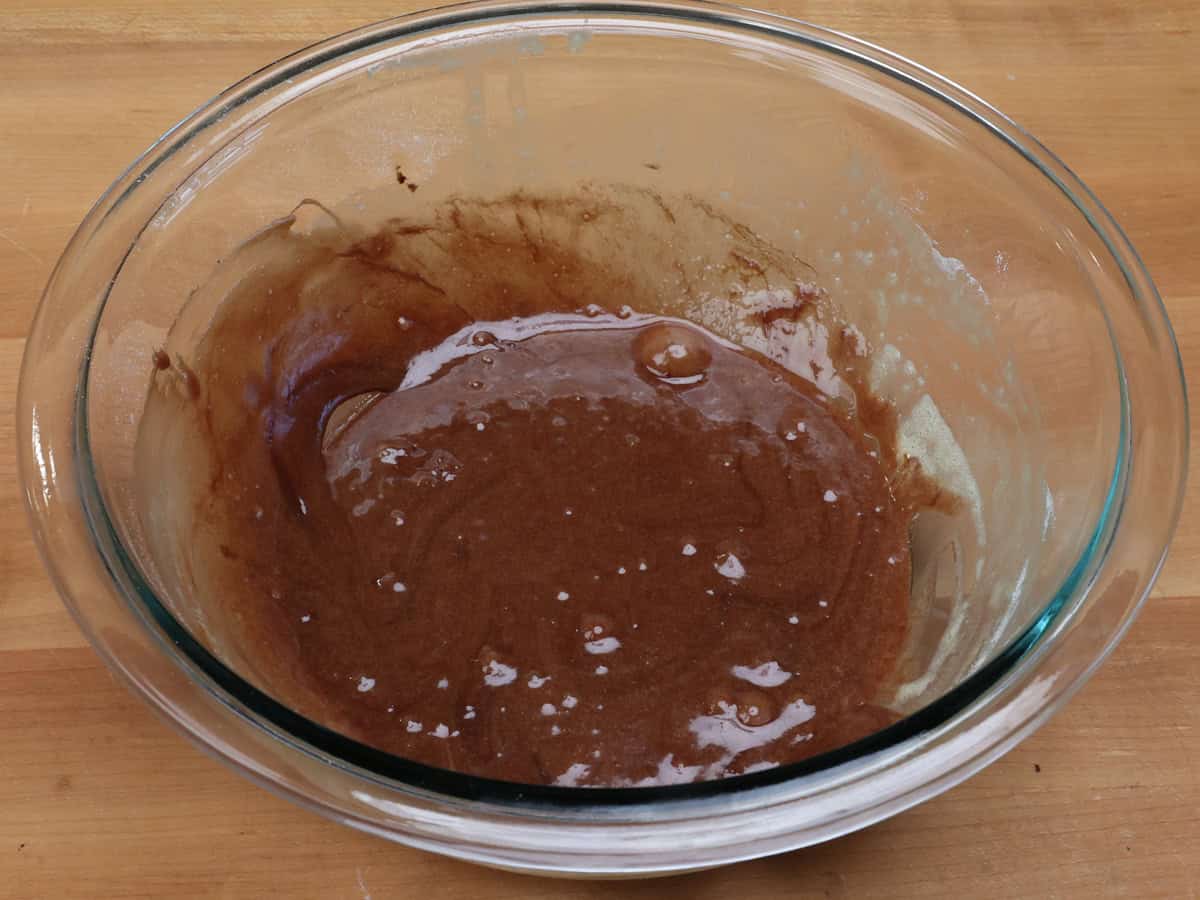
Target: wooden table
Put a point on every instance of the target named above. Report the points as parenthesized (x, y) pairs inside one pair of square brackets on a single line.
[(99, 799)]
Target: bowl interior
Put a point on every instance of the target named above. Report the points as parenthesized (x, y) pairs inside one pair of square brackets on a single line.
[(978, 285)]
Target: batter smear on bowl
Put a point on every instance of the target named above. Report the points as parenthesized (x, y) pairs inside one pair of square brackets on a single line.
[(473, 491)]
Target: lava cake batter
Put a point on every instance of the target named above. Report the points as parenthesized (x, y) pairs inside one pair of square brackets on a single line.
[(500, 524)]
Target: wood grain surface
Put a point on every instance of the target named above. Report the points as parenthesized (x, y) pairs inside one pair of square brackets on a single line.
[(99, 799)]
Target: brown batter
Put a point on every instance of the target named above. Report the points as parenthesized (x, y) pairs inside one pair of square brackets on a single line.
[(505, 532)]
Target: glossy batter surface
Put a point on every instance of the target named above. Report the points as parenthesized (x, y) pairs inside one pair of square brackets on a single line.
[(526, 537)]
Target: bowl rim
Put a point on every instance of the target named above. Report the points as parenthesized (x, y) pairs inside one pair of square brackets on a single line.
[(1004, 672)]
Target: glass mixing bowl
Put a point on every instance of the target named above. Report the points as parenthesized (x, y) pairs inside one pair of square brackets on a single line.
[(1013, 326)]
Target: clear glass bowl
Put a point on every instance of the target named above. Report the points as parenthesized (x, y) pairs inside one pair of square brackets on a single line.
[(1016, 330)]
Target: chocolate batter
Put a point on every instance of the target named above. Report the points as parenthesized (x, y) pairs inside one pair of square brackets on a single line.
[(475, 518)]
